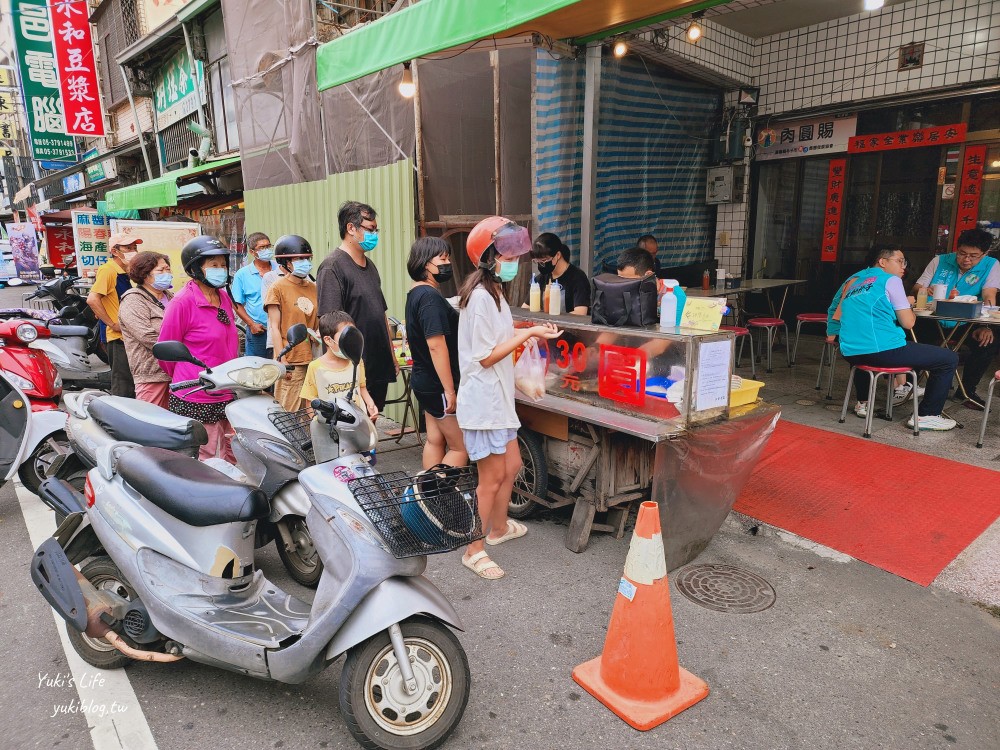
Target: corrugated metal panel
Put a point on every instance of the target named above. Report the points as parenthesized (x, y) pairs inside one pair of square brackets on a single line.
[(309, 209)]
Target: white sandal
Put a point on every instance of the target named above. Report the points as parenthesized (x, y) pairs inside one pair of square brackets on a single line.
[(479, 563)]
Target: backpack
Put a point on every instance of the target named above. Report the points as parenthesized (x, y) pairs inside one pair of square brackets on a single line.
[(624, 302)]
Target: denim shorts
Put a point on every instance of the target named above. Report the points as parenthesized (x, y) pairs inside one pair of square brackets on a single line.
[(482, 443)]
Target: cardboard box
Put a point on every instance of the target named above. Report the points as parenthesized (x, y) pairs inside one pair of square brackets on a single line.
[(947, 309)]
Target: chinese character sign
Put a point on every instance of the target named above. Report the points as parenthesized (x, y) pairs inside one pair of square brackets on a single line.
[(834, 209), (825, 135), (40, 82), (971, 190), (77, 70), (24, 246), (90, 236), (942, 135), (176, 93), (59, 245)]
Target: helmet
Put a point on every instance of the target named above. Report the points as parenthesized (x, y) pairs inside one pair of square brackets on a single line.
[(291, 246), (506, 238), (196, 250)]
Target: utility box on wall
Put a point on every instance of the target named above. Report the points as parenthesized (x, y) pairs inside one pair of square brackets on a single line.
[(724, 184)]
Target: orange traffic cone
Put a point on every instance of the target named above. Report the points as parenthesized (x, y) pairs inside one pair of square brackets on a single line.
[(637, 676)]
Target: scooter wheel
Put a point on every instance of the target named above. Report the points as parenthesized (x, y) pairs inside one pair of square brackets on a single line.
[(35, 468), (303, 563), (103, 574), (533, 476), (377, 709)]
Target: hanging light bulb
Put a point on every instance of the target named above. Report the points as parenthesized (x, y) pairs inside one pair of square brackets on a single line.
[(620, 49), (406, 86), (874, 4), (694, 31)]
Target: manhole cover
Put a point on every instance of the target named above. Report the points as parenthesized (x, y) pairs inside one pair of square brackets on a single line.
[(725, 588)]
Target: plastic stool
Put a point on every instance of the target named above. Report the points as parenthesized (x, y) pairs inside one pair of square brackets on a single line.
[(743, 334), (771, 327), (986, 413), (806, 319), (876, 373), (827, 357)]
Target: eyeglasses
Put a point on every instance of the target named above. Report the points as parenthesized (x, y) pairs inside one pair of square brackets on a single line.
[(969, 256), (901, 260), (368, 229), (263, 249)]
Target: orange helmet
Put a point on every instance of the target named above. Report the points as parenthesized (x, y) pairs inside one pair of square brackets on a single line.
[(506, 237)]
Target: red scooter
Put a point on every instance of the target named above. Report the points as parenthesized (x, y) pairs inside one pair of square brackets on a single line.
[(32, 373)]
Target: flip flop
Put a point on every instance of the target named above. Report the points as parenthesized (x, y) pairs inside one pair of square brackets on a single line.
[(479, 563), (514, 530)]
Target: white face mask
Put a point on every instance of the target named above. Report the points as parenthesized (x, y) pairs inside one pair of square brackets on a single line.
[(332, 348)]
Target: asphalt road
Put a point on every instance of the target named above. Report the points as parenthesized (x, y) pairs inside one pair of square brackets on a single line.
[(848, 657)]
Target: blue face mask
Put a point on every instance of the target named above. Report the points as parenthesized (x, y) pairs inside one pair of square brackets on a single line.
[(507, 270), (216, 277), (163, 281), (301, 267), (369, 242), (266, 253)]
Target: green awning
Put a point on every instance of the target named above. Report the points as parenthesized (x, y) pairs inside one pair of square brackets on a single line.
[(160, 192)]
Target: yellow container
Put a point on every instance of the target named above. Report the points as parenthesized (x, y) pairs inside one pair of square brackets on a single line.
[(746, 393)]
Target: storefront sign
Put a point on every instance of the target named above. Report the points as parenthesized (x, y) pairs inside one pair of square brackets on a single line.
[(167, 237), (7, 102), (621, 375), (59, 245), (834, 209), (175, 95), (971, 190), (9, 137), (90, 236), (73, 183), (33, 217), (6, 77), (24, 246), (40, 83), (941, 135), (81, 97), (823, 135), (100, 170)]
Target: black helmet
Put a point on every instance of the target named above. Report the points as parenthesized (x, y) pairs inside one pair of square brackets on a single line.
[(291, 246), (196, 250)]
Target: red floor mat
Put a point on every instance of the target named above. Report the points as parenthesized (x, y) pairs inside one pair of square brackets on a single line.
[(902, 511)]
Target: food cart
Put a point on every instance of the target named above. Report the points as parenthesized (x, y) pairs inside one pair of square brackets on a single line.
[(637, 414)]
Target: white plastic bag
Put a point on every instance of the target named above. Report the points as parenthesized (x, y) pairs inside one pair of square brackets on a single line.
[(529, 371)]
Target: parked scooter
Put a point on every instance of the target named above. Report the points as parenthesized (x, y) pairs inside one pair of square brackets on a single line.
[(266, 457), (171, 575), (34, 375)]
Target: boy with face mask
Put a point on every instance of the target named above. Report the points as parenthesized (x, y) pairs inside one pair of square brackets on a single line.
[(291, 300), (330, 376)]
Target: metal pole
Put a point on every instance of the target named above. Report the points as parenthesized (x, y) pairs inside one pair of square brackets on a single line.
[(194, 75), (421, 207), (497, 162), (591, 113), (138, 126)]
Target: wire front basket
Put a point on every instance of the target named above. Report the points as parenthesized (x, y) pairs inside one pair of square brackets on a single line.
[(294, 425), (424, 514)]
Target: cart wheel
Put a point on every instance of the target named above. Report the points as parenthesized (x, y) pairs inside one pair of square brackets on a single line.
[(533, 477)]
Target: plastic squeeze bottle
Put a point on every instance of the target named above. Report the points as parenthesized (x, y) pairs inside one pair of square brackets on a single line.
[(555, 299), (668, 309), (535, 296), (545, 296), (922, 299), (706, 279)]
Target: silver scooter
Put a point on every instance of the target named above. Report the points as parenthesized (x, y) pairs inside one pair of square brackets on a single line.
[(171, 575), (265, 456)]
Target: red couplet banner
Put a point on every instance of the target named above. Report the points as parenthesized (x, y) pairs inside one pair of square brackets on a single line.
[(971, 190), (74, 48), (834, 209)]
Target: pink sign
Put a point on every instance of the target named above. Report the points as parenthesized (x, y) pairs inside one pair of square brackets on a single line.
[(81, 97)]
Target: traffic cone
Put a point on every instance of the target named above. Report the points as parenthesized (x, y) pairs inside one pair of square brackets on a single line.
[(637, 676)]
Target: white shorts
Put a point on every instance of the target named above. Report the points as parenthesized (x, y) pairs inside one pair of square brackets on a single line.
[(482, 443)]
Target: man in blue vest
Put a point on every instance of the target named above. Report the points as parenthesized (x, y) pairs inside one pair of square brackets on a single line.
[(969, 270)]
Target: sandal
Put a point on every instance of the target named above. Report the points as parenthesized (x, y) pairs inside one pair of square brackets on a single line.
[(514, 530), (480, 563)]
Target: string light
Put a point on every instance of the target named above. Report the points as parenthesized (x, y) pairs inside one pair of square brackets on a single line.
[(695, 31), (406, 86), (620, 49)]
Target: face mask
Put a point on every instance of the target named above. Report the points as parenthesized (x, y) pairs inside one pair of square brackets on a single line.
[(369, 242), (507, 270), (266, 253), (545, 269), (163, 281), (332, 348), (216, 277), (443, 273), (301, 267), (128, 256)]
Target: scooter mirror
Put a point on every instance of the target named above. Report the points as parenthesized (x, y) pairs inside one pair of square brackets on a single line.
[(297, 334), (175, 351), (352, 344)]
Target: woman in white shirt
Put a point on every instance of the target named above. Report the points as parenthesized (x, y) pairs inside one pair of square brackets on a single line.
[(485, 409)]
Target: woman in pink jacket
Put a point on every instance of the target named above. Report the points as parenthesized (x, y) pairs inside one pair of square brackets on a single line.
[(201, 317)]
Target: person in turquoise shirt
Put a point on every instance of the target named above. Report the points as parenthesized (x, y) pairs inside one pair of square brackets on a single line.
[(969, 270), (248, 295), (871, 315)]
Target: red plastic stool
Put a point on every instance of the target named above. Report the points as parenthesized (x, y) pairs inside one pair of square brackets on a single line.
[(876, 373), (806, 319), (771, 326), (742, 334)]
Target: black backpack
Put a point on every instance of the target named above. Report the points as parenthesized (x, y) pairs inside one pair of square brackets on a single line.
[(623, 302)]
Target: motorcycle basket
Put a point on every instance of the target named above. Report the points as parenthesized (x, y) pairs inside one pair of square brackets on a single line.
[(294, 426), (424, 514)]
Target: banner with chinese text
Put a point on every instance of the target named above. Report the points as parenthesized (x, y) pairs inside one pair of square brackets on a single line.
[(24, 246), (834, 209), (941, 135), (59, 246), (971, 190), (175, 94), (816, 137), (74, 50), (90, 236), (40, 83)]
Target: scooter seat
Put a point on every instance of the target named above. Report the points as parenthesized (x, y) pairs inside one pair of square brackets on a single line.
[(189, 490), (146, 424), (61, 331)]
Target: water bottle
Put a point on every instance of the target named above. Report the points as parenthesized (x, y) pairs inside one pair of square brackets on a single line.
[(668, 309)]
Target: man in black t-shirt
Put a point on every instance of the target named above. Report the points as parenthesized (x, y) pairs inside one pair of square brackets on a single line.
[(552, 259), (348, 280)]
